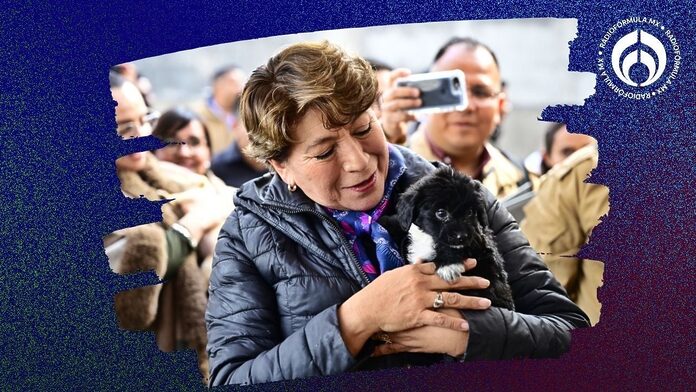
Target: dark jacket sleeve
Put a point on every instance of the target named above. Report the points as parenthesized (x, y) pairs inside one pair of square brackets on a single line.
[(544, 315), (245, 342)]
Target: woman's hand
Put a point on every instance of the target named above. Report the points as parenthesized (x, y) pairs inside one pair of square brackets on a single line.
[(403, 299), (204, 210), (427, 339), (206, 245), (395, 102)]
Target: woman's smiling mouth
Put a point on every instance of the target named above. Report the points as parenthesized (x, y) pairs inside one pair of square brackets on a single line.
[(366, 185)]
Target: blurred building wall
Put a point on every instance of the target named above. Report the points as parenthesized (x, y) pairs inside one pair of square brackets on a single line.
[(533, 56)]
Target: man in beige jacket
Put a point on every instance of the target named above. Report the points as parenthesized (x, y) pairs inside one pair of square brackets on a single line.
[(559, 220), (459, 138)]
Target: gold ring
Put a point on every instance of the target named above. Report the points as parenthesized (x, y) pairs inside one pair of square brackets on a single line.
[(438, 301), (383, 336)]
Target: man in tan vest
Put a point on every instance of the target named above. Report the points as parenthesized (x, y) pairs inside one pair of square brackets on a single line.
[(217, 109), (459, 138), (559, 220)]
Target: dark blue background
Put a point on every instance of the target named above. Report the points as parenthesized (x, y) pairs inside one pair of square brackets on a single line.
[(59, 196)]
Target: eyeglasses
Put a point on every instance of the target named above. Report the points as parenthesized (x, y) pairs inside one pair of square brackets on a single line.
[(142, 127), (191, 142), (481, 94)]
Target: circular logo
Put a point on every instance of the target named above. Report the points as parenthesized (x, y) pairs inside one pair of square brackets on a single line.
[(638, 58)]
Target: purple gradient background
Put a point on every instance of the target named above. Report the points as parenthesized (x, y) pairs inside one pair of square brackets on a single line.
[(60, 196)]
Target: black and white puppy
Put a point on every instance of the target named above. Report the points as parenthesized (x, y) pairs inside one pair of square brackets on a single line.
[(442, 218)]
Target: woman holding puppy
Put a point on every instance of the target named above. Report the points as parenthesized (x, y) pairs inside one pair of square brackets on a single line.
[(305, 281)]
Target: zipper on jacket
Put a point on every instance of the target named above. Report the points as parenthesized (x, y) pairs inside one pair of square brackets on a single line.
[(335, 226)]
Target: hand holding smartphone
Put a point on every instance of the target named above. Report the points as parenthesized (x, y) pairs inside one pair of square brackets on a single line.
[(393, 103), (439, 91)]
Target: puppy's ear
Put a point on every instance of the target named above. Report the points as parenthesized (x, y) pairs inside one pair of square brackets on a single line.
[(405, 208), (481, 213)]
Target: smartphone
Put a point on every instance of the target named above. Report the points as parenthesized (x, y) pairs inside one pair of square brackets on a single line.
[(443, 91)]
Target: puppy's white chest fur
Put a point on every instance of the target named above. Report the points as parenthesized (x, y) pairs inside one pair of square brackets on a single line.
[(422, 247)]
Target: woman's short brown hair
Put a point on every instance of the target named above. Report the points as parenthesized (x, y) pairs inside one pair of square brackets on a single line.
[(301, 77)]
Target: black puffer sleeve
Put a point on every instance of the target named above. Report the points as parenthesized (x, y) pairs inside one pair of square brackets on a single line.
[(544, 315), (245, 342)]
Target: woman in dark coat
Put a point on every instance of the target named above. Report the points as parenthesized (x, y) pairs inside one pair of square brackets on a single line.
[(304, 278)]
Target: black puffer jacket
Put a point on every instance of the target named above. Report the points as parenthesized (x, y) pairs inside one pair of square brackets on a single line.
[(282, 267)]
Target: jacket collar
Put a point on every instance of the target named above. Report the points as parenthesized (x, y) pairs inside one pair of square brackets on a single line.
[(499, 174)]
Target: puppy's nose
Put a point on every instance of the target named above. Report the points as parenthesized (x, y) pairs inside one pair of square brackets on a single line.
[(458, 236)]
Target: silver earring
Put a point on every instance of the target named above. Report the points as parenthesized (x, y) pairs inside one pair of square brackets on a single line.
[(292, 188)]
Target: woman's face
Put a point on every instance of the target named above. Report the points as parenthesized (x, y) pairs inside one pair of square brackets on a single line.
[(342, 168), (194, 154)]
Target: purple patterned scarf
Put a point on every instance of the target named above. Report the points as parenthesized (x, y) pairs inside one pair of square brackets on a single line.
[(356, 224)]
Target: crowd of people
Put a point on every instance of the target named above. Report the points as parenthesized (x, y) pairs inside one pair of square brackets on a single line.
[(273, 262)]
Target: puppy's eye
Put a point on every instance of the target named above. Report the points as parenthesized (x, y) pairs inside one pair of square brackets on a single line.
[(442, 215)]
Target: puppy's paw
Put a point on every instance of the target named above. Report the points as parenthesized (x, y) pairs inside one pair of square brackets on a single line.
[(451, 272)]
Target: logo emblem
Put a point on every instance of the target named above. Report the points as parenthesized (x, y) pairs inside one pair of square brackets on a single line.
[(655, 64), (643, 59)]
